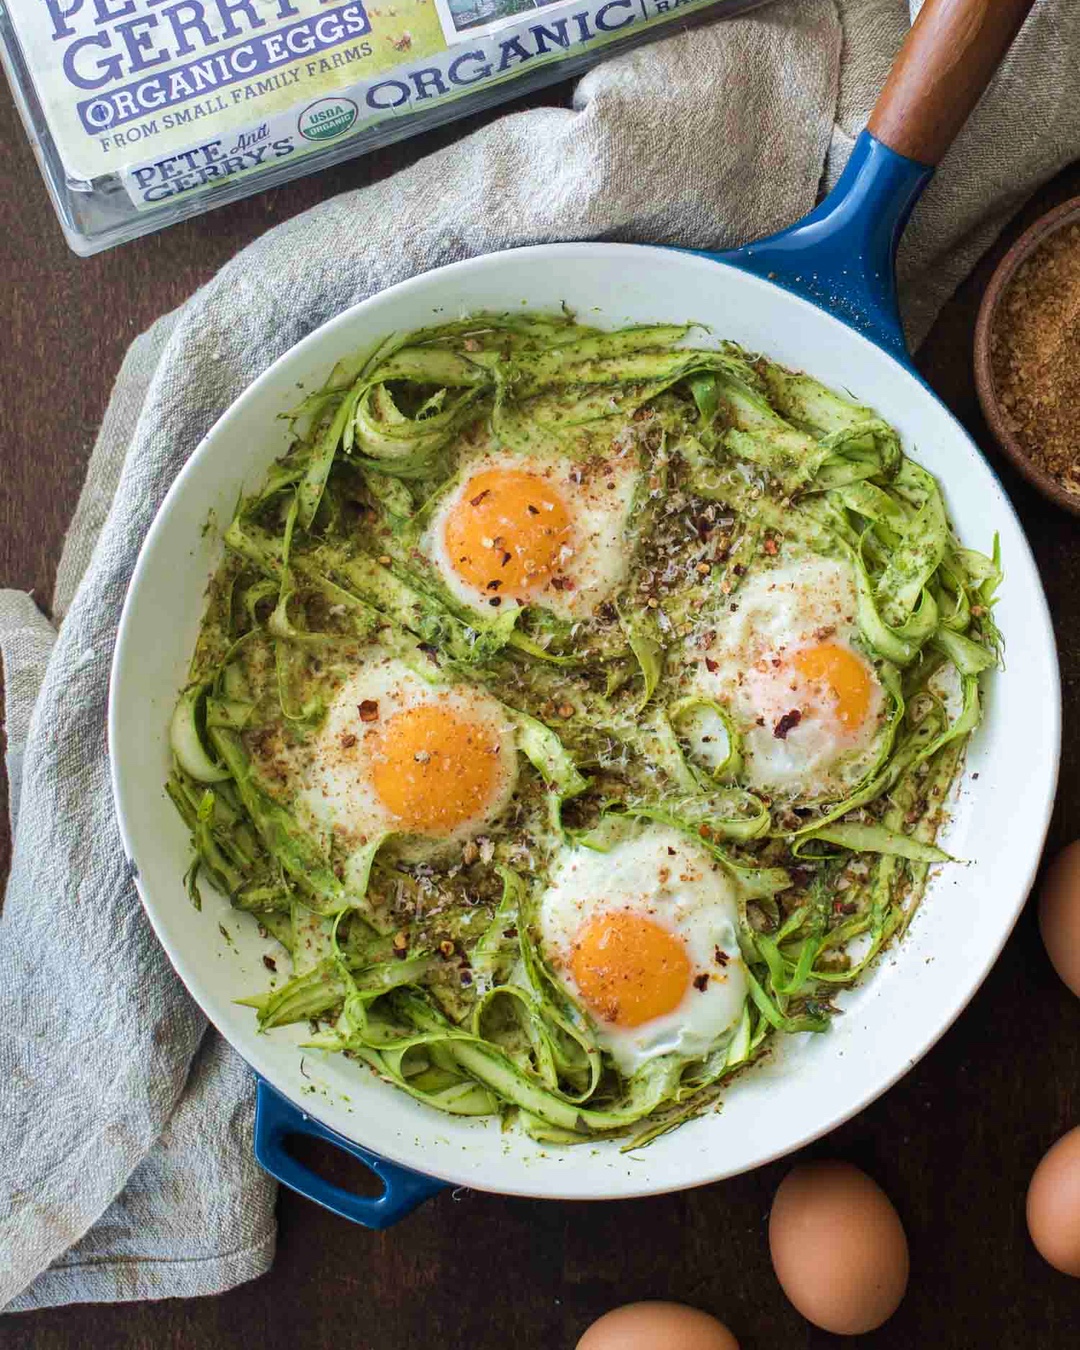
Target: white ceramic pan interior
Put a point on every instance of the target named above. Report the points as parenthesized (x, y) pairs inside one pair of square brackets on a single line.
[(814, 1082)]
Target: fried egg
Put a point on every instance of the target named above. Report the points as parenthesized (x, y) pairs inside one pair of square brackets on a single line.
[(533, 531), (645, 938), (786, 665), (396, 754)]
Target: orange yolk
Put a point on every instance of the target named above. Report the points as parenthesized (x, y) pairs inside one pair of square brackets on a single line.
[(629, 969), (434, 769), (504, 534), (844, 674)]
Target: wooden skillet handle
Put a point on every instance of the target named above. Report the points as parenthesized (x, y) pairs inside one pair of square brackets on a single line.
[(947, 61)]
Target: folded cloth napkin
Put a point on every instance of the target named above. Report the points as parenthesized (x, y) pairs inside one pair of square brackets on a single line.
[(125, 1142)]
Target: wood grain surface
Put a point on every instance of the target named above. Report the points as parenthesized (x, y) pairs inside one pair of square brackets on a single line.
[(954, 1143), (946, 62)]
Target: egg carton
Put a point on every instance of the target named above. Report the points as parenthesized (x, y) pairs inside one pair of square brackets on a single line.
[(142, 113)]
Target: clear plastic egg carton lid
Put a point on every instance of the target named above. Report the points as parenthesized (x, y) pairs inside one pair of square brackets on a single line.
[(143, 113)]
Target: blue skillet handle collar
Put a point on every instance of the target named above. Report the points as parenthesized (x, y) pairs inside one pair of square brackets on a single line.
[(842, 256), (276, 1119)]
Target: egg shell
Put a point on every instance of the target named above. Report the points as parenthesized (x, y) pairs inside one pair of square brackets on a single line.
[(1053, 1205), (838, 1247), (657, 1326), (1059, 915)]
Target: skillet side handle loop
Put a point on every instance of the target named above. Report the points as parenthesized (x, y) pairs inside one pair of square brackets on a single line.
[(944, 66), (276, 1119)]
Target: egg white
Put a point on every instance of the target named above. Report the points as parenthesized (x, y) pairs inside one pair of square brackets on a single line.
[(661, 875), (338, 796), (741, 661), (599, 498)]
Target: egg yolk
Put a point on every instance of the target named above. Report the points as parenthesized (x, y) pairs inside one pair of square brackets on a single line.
[(628, 969), (434, 769), (843, 674), (504, 534)]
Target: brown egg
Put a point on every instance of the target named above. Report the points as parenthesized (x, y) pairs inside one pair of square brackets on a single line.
[(1053, 1205), (838, 1247), (657, 1326), (1059, 915)]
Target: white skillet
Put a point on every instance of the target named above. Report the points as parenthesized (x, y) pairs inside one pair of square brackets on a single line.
[(841, 255)]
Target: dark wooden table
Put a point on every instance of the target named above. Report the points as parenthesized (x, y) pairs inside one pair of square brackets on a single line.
[(954, 1143)]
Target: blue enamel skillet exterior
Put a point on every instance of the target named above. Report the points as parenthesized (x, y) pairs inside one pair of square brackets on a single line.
[(841, 257)]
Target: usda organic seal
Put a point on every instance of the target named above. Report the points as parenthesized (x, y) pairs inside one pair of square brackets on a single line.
[(327, 118)]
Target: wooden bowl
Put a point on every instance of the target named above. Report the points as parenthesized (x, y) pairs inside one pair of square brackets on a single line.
[(1066, 214)]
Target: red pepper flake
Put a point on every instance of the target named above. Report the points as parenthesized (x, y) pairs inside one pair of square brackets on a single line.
[(705, 832), (475, 501), (711, 666), (368, 710), (701, 982), (786, 723), (510, 932), (720, 957), (270, 963), (348, 740), (561, 584), (739, 570), (770, 547), (495, 602), (494, 585), (532, 510), (505, 558)]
